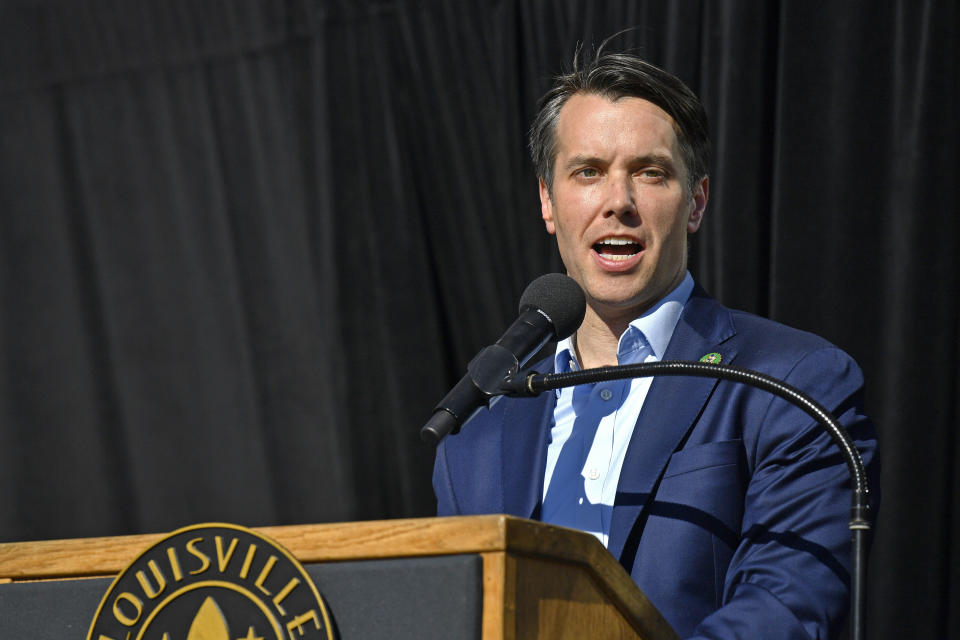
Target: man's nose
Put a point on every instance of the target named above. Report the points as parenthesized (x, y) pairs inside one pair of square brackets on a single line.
[(621, 199)]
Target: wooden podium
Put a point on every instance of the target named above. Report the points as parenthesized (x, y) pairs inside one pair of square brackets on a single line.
[(485, 577)]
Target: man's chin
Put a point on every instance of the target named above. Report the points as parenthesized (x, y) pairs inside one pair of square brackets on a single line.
[(616, 292), (619, 305)]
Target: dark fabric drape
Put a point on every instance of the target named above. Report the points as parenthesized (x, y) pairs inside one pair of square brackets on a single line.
[(246, 245)]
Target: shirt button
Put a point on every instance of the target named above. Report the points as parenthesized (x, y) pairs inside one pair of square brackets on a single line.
[(606, 394), (594, 473)]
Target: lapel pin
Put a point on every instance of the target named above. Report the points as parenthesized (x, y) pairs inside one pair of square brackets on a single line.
[(712, 358)]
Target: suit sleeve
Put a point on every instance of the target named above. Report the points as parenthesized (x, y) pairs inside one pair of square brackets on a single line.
[(789, 576)]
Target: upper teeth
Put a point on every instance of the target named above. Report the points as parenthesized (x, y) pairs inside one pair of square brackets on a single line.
[(616, 241)]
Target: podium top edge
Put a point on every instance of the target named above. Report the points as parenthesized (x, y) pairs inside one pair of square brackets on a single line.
[(333, 542)]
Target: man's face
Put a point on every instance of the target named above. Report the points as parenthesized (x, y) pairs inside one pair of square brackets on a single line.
[(620, 205)]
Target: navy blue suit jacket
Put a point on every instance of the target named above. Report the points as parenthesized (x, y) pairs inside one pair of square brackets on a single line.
[(732, 506)]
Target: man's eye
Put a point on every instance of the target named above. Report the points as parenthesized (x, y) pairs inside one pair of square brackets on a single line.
[(652, 173), (589, 172)]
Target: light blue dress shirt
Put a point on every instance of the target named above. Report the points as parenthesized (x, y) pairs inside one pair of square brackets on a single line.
[(593, 424)]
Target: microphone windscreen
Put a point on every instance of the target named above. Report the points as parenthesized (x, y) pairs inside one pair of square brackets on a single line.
[(560, 298)]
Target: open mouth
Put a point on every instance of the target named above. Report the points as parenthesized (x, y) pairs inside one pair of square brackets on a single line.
[(617, 248)]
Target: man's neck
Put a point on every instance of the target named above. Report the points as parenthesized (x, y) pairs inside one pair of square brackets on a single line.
[(597, 340)]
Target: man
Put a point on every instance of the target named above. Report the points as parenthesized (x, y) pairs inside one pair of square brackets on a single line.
[(727, 505)]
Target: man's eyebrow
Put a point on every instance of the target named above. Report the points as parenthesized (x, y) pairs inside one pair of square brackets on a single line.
[(660, 159), (579, 160)]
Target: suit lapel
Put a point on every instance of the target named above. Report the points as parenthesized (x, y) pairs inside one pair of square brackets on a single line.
[(669, 411), (526, 430)]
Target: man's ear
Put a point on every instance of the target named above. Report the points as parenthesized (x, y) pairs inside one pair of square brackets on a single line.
[(699, 205), (546, 208)]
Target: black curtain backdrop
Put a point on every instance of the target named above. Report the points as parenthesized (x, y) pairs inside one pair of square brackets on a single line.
[(247, 245)]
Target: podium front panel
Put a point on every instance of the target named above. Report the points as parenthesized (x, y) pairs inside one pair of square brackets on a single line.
[(437, 597)]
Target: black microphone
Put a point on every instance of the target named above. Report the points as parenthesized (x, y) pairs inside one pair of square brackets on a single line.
[(551, 308)]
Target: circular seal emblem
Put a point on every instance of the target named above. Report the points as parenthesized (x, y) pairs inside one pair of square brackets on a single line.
[(212, 582)]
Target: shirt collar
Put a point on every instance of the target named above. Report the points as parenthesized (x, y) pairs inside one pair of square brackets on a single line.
[(654, 329)]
